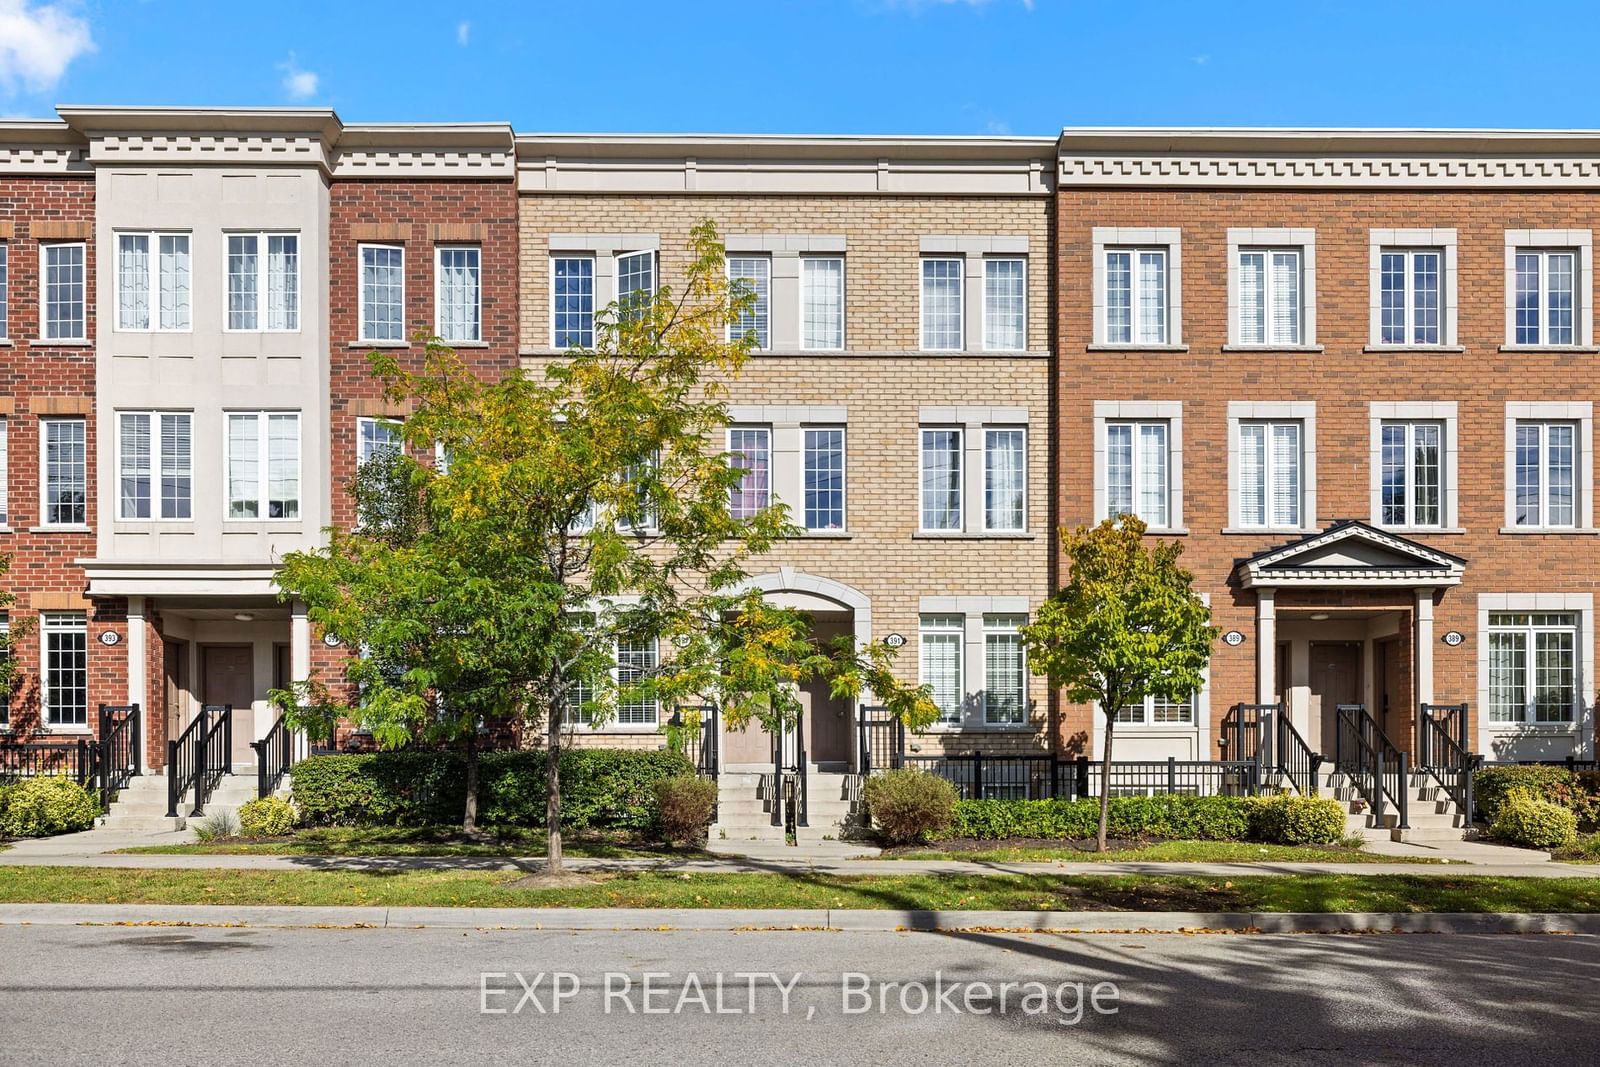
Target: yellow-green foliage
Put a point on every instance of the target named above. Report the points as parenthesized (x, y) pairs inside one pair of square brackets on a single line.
[(1524, 819), (266, 817), (40, 807)]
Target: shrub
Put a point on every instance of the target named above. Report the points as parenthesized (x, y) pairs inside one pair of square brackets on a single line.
[(1293, 820), (909, 805), (224, 822), (1524, 819), (1173, 817), (600, 788), (266, 817), (40, 807), (1577, 791), (685, 804)]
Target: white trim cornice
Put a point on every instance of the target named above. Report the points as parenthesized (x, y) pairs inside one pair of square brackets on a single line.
[(1275, 569), (1187, 169)]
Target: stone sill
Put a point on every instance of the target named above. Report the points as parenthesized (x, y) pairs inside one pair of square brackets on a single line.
[(378, 344), (1272, 348), (1552, 531), (61, 529), (1106, 347), (1414, 348), (1416, 531), (1271, 531), (1553, 349), (931, 535)]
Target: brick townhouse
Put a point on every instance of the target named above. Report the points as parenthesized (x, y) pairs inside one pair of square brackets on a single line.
[(1353, 373)]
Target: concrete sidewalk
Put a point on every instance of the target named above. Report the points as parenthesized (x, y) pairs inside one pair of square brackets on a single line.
[(843, 919), (94, 848)]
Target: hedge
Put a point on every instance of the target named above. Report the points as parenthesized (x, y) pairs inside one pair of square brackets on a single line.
[(610, 789), (1577, 791), (1524, 819), (1294, 820), (1174, 817)]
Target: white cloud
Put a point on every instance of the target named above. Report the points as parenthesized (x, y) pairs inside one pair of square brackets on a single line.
[(1201, 59), (298, 84), (37, 42), (463, 33)]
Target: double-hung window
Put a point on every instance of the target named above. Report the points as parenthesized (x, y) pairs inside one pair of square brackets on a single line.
[(941, 304), (636, 283), (1270, 483), (821, 302), (824, 477), (941, 479), (263, 464), (5, 289), (750, 450), (1411, 455), (1546, 297), (264, 269), (383, 293), (63, 291), (375, 437), (1158, 711), (1137, 458), (1410, 296), (458, 292), (1136, 307), (1270, 307), (1005, 675), (752, 277), (1005, 304), (941, 639), (1533, 667), (153, 290), (572, 303), (154, 465), (65, 481), (1546, 463), (64, 641), (1005, 479), (636, 662)]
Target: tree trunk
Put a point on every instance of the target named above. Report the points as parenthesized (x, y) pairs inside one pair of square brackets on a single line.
[(1105, 784), (552, 793), (469, 819)]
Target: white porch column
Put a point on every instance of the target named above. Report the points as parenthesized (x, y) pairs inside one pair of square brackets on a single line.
[(299, 660), (138, 687), (1424, 649), (1266, 645)]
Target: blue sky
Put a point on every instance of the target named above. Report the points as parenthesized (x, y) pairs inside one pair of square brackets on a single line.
[(794, 66)]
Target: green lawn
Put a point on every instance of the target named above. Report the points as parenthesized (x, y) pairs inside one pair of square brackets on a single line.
[(414, 841), (1314, 893), (1162, 852)]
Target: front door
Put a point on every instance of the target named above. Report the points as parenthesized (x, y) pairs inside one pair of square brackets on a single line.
[(172, 689), (827, 718), (228, 677), (1335, 680)]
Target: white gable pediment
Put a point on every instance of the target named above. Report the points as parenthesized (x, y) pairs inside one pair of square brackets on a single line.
[(1351, 553)]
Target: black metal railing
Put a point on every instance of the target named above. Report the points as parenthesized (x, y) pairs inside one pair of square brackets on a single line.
[(274, 757), (1244, 737), (1296, 761), (47, 759), (119, 757), (701, 746), (199, 758), (1376, 768), (977, 776), (1442, 751), (882, 740)]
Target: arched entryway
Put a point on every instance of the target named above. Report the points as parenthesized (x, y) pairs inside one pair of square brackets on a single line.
[(828, 723)]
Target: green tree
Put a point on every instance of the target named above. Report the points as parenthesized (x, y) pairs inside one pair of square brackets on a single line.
[(1127, 625), (10, 669), (578, 510)]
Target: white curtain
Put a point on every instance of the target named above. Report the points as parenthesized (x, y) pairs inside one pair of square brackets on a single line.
[(133, 281), (1153, 473), (174, 264)]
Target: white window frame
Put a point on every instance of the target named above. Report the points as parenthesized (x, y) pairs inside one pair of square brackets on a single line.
[(1003, 625), (923, 263), (844, 476), (152, 281), (961, 478), (1136, 487), (52, 623), (264, 474), (5, 472), (728, 444), (5, 290), (155, 416), (1580, 242), (594, 297), (439, 252), (1268, 240), (984, 503), (361, 291), (263, 282), (1498, 736), (983, 302), (655, 272), (365, 421), (45, 247), (761, 307), (1581, 414), (1303, 412), (654, 706), (1438, 239), (844, 309), (943, 625), (1442, 412), (44, 471), (1170, 412), (1167, 239)]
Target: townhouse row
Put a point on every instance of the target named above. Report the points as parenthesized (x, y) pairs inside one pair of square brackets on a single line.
[(1351, 372)]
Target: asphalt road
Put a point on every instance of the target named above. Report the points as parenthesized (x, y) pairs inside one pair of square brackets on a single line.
[(332, 996)]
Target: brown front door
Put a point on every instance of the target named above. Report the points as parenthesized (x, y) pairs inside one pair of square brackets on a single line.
[(228, 677), (172, 689), (827, 718), (1335, 679)]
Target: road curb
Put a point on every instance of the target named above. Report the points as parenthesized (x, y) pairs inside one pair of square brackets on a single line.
[(843, 920)]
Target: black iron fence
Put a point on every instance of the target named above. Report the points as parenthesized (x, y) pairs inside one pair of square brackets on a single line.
[(274, 757), (1375, 767), (103, 764), (199, 758), (1442, 751), (978, 776), (700, 745)]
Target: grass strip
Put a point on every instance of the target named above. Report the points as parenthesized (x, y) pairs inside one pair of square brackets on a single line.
[(1162, 852), (405, 841), (1305, 893)]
